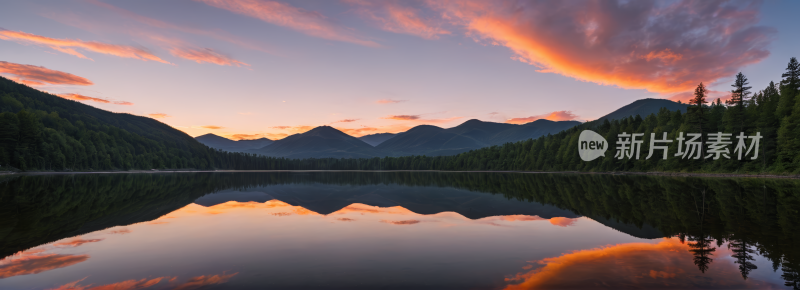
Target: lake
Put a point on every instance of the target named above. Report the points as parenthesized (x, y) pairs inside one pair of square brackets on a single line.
[(397, 230)]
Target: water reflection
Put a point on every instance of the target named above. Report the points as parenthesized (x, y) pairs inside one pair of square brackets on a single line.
[(401, 230)]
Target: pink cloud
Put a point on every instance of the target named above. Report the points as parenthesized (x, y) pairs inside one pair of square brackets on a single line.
[(34, 264), (554, 116), (158, 115), (79, 97), (394, 17), (205, 55), (390, 101), (405, 222), (346, 121), (68, 46), (664, 47), (402, 117), (308, 22), (38, 75), (213, 33)]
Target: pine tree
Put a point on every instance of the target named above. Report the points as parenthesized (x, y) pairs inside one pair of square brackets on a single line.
[(739, 95), (790, 88), (768, 123), (696, 113), (702, 251), (743, 255)]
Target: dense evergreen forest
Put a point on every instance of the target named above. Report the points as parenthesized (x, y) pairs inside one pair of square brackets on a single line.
[(39, 131), (748, 215)]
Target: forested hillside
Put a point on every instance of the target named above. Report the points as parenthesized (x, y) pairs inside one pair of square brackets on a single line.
[(40, 131)]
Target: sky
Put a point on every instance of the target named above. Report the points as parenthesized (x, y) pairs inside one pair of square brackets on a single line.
[(247, 69)]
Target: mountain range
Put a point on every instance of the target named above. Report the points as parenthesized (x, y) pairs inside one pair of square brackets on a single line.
[(222, 143), (328, 142)]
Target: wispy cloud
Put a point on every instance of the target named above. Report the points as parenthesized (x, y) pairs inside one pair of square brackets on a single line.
[(390, 101), (212, 127), (37, 263), (79, 97), (212, 33), (308, 22), (419, 120), (196, 282), (405, 222), (402, 117), (358, 132), (554, 116), (69, 46), (246, 136), (159, 115), (663, 47), (395, 17), (76, 242), (345, 121), (205, 55), (38, 75)]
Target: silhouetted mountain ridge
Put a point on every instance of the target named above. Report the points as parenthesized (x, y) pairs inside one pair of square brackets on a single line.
[(222, 143)]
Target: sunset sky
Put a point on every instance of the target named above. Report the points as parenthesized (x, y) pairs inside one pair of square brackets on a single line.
[(257, 68)]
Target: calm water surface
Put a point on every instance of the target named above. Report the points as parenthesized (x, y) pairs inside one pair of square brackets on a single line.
[(397, 230)]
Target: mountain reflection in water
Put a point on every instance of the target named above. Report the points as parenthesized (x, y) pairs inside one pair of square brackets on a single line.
[(396, 230)]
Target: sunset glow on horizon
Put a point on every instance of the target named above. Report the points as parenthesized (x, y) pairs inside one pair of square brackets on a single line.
[(249, 69)]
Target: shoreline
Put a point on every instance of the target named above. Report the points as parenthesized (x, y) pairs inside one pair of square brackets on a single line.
[(656, 173)]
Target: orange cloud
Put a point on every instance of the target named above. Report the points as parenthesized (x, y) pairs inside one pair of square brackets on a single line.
[(345, 219), (121, 231), (124, 285), (193, 283), (402, 117), (159, 115), (68, 46), (308, 22), (205, 280), (562, 221), (346, 120), (79, 97), (390, 101), (358, 132), (76, 242), (206, 55), (663, 47), (212, 127), (38, 76), (391, 16), (554, 116), (363, 208), (405, 222), (633, 265), (34, 264), (245, 136)]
